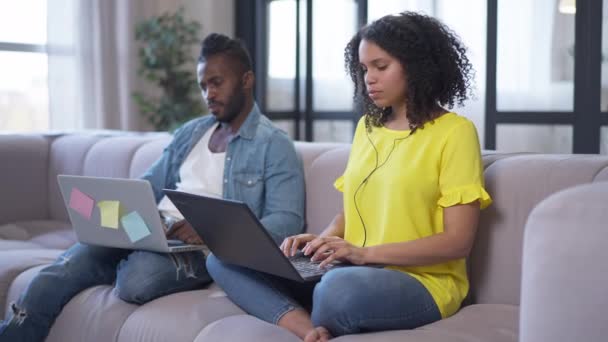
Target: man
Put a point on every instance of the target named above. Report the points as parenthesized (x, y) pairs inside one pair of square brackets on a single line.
[(235, 153)]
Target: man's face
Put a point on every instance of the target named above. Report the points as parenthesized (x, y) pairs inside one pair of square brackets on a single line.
[(221, 87)]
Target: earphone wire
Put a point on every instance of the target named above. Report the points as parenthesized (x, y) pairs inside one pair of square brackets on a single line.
[(376, 167)]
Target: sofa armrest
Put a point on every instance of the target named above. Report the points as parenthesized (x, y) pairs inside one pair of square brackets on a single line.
[(565, 267)]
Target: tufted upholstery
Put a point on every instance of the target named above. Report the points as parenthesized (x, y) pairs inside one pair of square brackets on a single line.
[(34, 229)]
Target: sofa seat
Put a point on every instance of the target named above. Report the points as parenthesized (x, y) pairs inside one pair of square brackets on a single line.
[(36, 234), (104, 314), (479, 322), (13, 263)]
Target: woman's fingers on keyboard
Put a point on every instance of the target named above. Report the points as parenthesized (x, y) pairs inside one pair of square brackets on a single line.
[(291, 244)]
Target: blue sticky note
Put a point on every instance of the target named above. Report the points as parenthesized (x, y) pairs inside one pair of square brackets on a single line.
[(135, 226)]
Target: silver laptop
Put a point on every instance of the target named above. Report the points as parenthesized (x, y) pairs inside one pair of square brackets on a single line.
[(115, 212)]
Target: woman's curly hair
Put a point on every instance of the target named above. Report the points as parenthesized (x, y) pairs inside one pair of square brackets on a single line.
[(437, 70)]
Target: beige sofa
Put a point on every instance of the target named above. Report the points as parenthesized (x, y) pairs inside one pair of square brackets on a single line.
[(561, 296)]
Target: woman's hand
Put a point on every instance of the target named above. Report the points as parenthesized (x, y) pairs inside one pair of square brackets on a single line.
[(290, 245), (328, 249)]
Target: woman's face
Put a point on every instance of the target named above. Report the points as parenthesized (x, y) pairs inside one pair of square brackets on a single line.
[(383, 74)]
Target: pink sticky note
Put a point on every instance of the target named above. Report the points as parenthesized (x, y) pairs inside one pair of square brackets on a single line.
[(82, 203)]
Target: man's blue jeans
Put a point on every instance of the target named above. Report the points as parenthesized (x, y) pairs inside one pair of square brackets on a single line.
[(347, 300), (140, 277)]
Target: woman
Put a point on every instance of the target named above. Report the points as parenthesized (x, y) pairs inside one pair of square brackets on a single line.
[(413, 189)]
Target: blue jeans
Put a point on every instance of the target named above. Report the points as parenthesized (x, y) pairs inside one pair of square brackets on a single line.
[(140, 277), (347, 300)]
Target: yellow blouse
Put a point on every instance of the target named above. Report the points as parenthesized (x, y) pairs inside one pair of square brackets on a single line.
[(416, 177)]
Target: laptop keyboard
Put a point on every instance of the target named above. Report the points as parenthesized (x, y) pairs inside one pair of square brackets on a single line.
[(306, 267)]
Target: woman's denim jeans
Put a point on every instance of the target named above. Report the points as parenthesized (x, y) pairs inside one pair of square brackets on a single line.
[(140, 277), (347, 300)]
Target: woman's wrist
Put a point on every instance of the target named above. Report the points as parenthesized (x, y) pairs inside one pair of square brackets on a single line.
[(368, 254)]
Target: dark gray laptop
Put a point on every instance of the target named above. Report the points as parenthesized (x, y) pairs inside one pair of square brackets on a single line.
[(235, 235), (115, 212)]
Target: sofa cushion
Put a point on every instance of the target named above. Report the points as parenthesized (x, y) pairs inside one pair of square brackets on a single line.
[(147, 154), (565, 270), (93, 155), (602, 176), (485, 322), (13, 263), (323, 201), (66, 156), (244, 328), (40, 233), (177, 317), (517, 184), (24, 166), (97, 312)]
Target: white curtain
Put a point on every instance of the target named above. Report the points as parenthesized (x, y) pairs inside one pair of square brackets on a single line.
[(92, 57)]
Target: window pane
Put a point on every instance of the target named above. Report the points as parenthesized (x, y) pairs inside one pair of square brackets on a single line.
[(23, 91), (23, 21), (379, 8), (334, 24), (534, 138), (286, 126), (333, 130), (604, 140), (535, 56), (281, 55)]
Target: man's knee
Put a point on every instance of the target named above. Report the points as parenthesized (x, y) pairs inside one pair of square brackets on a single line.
[(145, 276), (141, 277)]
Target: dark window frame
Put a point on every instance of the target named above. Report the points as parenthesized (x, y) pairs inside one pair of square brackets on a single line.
[(252, 28), (586, 118)]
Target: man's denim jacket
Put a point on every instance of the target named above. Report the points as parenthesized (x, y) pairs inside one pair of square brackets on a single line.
[(261, 169)]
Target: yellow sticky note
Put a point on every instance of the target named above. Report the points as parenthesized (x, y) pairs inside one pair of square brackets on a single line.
[(109, 212)]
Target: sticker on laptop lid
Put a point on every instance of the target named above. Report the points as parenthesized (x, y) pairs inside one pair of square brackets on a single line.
[(81, 203), (134, 226)]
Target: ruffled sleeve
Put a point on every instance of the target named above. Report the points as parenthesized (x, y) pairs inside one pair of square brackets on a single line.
[(461, 171), (339, 184), (464, 195)]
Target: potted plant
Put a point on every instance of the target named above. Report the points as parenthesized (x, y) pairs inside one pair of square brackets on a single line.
[(166, 59)]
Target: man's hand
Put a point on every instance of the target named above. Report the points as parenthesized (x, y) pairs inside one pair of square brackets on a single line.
[(182, 230)]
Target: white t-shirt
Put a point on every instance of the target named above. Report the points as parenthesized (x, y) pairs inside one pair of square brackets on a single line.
[(202, 173)]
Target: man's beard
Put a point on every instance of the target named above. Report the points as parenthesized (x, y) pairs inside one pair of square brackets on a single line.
[(235, 105)]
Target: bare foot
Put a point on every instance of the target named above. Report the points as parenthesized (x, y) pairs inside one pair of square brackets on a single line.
[(318, 334)]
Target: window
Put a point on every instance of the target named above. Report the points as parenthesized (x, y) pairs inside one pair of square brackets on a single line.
[(532, 94), (305, 78), (23, 66), (303, 85), (540, 97)]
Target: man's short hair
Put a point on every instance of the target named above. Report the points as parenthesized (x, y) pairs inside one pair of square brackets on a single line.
[(216, 44)]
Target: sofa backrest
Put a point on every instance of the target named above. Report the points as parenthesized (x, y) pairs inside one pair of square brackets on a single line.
[(24, 163), (517, 184), (122, 155), (322, 165), (128, 156)]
